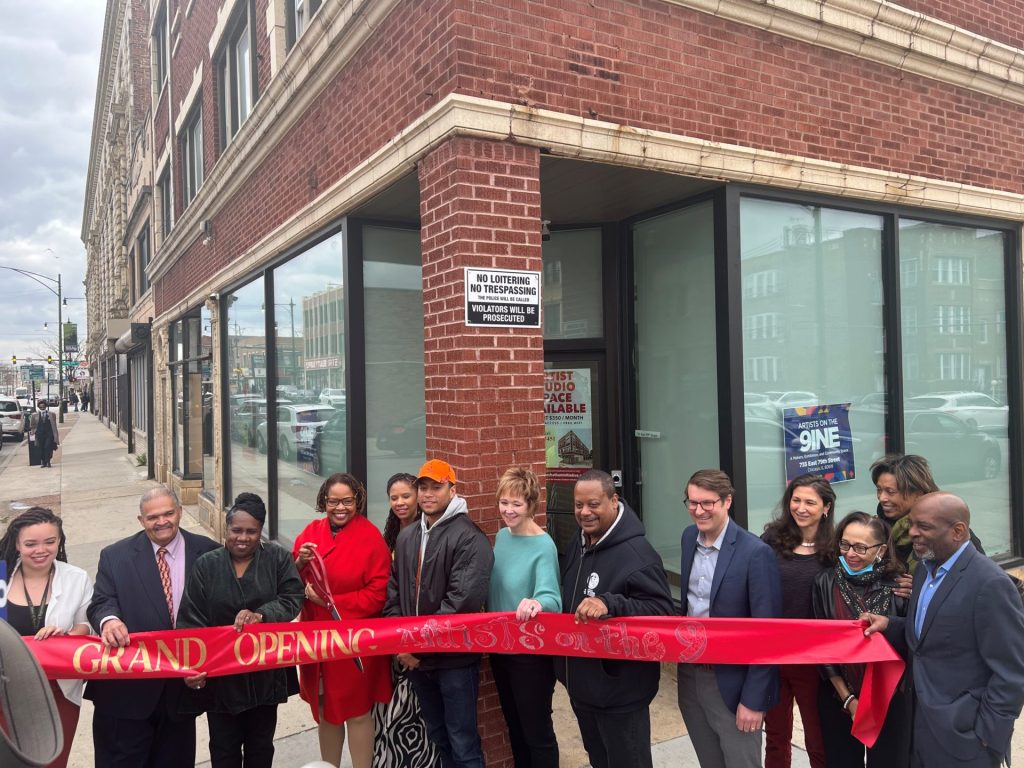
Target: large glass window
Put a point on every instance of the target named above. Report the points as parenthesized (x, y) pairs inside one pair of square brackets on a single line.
[(206, 376), (572, 285), (393, 316), (159, 49), (311, 423), (187, 359), (955, 410), (245, 365), (676, 365), (235, 75), (812, 321), (142, 251), (192, 158)]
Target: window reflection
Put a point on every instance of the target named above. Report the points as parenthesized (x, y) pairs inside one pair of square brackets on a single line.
[(309, 347), (954, 359)]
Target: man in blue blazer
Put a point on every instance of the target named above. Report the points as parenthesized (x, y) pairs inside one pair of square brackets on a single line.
[(136, 722), (964, 631), (726, 571)]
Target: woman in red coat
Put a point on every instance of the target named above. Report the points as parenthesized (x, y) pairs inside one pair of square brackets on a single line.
[(357, 563)]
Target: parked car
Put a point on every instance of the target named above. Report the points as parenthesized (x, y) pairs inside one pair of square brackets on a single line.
[(975, 408), (758, 405), (12, 418), (296, 427), (953, 446), (245, 420), (407, 439), (792, 399), (330, 445), (332, 397)]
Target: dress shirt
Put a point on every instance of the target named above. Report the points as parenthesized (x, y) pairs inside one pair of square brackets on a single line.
[(702, 575), (931, 585)]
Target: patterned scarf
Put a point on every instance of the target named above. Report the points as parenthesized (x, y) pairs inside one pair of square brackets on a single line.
[(865, 599)]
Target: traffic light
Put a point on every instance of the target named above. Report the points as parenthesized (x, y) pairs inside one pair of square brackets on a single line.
[(14, 359), (49, 359)]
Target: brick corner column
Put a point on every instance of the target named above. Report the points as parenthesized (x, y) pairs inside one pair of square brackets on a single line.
[(480, 207)]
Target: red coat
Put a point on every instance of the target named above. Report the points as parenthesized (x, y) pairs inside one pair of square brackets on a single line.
[(358, 565)]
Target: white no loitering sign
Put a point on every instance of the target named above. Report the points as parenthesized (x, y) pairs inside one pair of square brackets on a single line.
[(502, 297)]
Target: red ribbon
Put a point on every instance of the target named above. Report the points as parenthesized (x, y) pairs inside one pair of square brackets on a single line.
[(222, 651)]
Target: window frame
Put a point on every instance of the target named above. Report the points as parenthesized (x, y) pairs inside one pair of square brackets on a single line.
[(160, 50), (229, 91), (191, 148)]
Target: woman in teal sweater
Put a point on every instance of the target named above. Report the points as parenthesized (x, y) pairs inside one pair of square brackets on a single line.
[(525, 580)]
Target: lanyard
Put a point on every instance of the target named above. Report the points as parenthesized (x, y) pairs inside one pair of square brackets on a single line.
[(38, 612)]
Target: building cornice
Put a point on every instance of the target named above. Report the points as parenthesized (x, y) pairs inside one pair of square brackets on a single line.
[(569, 136), (888, 34), (113, 23)]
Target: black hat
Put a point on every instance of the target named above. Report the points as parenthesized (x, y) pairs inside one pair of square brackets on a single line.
[(31, 727)]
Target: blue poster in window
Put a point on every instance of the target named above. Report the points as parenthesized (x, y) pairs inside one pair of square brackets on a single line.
[(818, 439)]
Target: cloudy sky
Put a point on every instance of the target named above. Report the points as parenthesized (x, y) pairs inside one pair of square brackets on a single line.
[(49, 60)]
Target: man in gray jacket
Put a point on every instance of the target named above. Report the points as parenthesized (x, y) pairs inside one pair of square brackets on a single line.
[(443, 566)]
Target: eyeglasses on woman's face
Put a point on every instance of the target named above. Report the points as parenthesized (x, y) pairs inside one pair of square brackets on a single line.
[(860, 549), (335, 503)]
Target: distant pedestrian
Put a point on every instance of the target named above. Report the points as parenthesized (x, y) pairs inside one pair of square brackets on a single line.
[(43, 432), (86, 400), (73, 399)]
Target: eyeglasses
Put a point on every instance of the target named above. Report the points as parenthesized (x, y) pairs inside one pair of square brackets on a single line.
[(335, 503), (706, 505), (860, 549)]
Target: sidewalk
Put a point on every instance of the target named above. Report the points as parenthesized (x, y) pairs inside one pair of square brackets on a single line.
[(95, 486)]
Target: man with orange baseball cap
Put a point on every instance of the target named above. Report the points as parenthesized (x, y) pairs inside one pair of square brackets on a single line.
[(443, 566)]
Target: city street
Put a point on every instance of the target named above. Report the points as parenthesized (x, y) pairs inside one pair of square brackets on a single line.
[(95, 486)]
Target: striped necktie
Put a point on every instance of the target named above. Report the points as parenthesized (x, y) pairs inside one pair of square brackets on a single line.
[(165, 580)]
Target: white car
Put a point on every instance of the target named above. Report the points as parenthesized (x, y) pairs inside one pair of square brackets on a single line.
[(332, 397), (296, 427), (12, 418), (976, 409)]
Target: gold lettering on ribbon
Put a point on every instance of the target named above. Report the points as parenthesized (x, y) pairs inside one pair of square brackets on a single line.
[(94, 664), (337, 643), (107, 660), (354, 639), (164, 652), (141, 657), (251, 639), (268, 644)]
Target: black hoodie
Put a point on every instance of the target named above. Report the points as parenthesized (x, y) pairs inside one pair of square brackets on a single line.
[(624, 571)]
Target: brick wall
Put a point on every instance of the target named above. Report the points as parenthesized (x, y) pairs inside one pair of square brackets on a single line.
[(1001, 20), (642, 63), (480, 207)]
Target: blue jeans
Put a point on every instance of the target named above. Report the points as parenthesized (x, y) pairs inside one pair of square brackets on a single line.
[(448, 700)]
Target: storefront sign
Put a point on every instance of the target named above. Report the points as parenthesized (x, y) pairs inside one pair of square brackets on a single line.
[(568, 423), (505, 298), (71, 338), (321, 363), (819, 440)]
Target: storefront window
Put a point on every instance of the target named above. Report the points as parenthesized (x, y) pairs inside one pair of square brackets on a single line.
[(812, 340), (676, 368), (245, 366), (206, 373), (393, 316), (572, 289), (309, 347), (186, 361), (955, 410)]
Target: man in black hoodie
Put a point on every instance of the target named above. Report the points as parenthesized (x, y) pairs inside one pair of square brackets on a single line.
[(610, 572)]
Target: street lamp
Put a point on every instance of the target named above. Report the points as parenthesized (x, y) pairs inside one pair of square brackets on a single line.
[(60, 330), (291, 313)]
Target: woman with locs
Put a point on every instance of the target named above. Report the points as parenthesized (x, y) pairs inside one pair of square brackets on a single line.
[(47, 597), (400, 737), (246, 582), (801, 536), (862, 579)]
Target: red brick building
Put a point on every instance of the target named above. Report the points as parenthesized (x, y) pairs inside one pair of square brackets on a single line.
[(735, 209)]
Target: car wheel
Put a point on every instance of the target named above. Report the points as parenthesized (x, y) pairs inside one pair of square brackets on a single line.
[(261, 443), (284, 448), (316, 463), (21, 436), (972, 423), (990, 466)]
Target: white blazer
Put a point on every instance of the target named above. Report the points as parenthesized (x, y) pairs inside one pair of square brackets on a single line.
[(69, 598)]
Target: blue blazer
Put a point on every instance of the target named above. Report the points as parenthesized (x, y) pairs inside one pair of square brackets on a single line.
[(746, 585), (968, 663), (128, 586)]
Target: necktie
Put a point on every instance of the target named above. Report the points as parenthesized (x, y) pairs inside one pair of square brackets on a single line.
[(165, 580)]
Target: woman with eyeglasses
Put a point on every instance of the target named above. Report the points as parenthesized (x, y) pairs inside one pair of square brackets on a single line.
[(801, 537), (862, 579), (357, 564)]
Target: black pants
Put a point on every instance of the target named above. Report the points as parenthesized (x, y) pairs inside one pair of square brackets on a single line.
[(616, 740), (843, 750), (245, 739), (158, 741), (525, 687)]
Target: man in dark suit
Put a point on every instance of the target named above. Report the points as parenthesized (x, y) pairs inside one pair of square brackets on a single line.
[(139, 585), (964, 631), (725, 571)]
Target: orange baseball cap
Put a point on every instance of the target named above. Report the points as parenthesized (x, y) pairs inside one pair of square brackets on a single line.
[(438, 471)]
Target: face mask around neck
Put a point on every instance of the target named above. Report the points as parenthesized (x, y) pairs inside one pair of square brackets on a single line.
[(851, 572)]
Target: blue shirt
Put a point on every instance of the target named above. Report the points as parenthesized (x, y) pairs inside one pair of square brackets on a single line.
[(702, 575), (931, 585)]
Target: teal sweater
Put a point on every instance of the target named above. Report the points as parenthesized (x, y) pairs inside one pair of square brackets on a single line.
[(524, 566)]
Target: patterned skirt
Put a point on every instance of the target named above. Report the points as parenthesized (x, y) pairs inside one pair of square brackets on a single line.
[(400, 738)]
